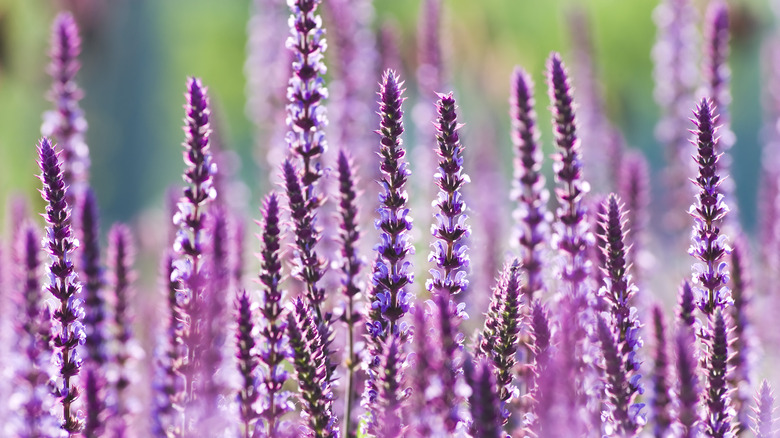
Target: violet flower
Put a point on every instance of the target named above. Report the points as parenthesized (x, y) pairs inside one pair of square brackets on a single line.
[(686, 306), (392, 390), (68, 330), (349, 233), (272, 347), (500, 337), (619, 389), (719, 410), (529, 185), (66, 123), (634, 189), (741, 341), (688, 418), (764, 420), (426, 368), (486, 415), (661, 402), (121, 255), (249, 391), (315, 391), (94, 316)]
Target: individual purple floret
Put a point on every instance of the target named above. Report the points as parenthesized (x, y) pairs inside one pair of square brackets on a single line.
[(741, 342), (620, 334), (272, 348), (68, 330), (94, 315), (486, 415), (501, 335), (688, 418), (708, 211), (349, 233), (392, 272), (661, 402), (718, 421), (529, 185), (315, 391), (763, 425), (248, 392), (66, 123), (121, 255), (306, 119), (31, 376)]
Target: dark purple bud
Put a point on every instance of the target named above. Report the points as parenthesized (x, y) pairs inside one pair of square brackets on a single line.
[(718, 421), (248, 392), (68, 330), (686, 306)]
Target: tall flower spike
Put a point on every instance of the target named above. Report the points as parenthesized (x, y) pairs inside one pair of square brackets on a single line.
[(309, 362), (68, 330), (717, 75), (709, 209), (121, 255), (392, 389), (306, 118), (273, 341), (618, 388), (392, 273), (351, 265), (31, 377), (248, 392), (449, 251), (741, 342), (764, 420), (66, 123), (719, 410), (529, 186), (94, 315), (686, 305), (486, 415), (501, 334), (688, 417), (635, 192), (661, 401)]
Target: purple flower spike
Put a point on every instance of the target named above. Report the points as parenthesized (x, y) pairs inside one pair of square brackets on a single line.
[(248, 392), (68, 330), (741, 342), (661, 400), (121, 255), (708, 211), (688, 390), (315, 391), (686, 306), (529, 185), (718, 421), (392, 389), (66, 123), (619, 389), (764, 420), (31, 376), (306, 118), (501, 334), (392, 272), (273, 340), (716, 69), (635, 192), (486, 416)]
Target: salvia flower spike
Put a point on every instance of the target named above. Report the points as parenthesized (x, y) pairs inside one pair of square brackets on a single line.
[(249, 391), (68, 330), (66, 123), (486, 415), (661, 402), (741, 342), (764, 420), (529, 185), (718, 421), (688, 418)]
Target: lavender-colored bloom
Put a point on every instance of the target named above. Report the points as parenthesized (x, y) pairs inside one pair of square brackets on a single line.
[(676, 76), (273, 340), (31, 376), (306, 119), (392, 390), (66, 123), (716, 72), (764, 421), (94, 315), (686, 305), (529, 186), (121, 255), (635, 191), (248, 392), (486, 415), (500, 337), (718, 421), (315, 391), (68, 330), (619, 388), (708, 211), (741, 342), (688, 418), (661, 402), (425, 371), (392, 272)]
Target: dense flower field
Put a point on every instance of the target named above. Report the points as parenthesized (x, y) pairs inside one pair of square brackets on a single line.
[(348, 329)]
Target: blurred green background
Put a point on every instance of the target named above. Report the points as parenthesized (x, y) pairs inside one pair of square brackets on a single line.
[(137, 54)]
